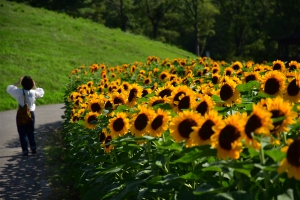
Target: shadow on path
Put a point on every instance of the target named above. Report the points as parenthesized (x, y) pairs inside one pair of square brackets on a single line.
[(23, 177)]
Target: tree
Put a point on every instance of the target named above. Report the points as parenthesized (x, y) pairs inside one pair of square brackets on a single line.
[(200, 15), (155, 11)]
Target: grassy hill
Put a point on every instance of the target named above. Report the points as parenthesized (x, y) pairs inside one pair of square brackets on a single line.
[(48, 46)]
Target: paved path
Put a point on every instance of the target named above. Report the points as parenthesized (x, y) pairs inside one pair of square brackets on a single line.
[(24, 177)]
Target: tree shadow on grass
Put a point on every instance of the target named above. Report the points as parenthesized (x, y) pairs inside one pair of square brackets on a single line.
[(24, 177)]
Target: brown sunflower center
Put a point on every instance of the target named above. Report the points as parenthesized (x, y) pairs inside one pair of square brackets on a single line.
[(91, 118), (228, 73), (235, 67), (75, 118), (204, 71), (95, 107), (141, 121), (184, 103), (277, 66), (293, 153), (145, 92), (292, 88), (292, 68), (253, 123), (165, 92), (215, 71), (206, 130), (157, 122), (275, 114), (202, 107), (227, 136), (125, 87), (226, 92), (132, 94), (108, 105), (118, 100), (102, 136), (163, 76), (158, 102), (215, 79), (199, 73), (185, 127), (108, 139), (118, 124), (147, 81), (272, 86), (176, 97), (250, 78)]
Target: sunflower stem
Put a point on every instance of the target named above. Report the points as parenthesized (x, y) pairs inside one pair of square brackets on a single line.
[(149, 153), (284, 137), (262, 160)]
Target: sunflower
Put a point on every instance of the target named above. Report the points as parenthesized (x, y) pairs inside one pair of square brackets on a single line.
[(294, 65), (208, 90), (125, 85), (96, 105), (279, 65), (204, 105), (185, 101), (164, 76), (205, 71), (228, 71), (156, 100), (215, 79), (147, 81), (251, 76), (228, 135), (279, 108), (119, 125), (228, 92), (118, 99), (132, 68), (146, 91), (273, 83), (258, 68), (237, 65), (202, 133), (103, 135), (89, 118), (292, 93), (75, 117), (291, 163), (159, 124), (182, 125), (215, 70), (259, 122), (140, 120), (107, 146), (179, 91), (134, 93)]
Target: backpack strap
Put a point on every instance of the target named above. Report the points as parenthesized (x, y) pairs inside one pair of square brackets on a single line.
[(25, 102)]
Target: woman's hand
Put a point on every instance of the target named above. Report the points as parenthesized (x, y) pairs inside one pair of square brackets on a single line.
[(34, 85), (19, 82)]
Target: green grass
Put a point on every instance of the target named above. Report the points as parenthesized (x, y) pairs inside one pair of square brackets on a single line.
[(48, 46)]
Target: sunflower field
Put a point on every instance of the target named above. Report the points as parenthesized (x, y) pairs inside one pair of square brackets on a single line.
[(184, 129)]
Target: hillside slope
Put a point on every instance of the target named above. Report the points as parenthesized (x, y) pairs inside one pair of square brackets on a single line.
[(48, 46)]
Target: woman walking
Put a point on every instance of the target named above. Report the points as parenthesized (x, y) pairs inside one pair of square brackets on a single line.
[(31, 93)]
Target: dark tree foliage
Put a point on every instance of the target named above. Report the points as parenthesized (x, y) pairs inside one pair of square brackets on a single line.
[(229, 30)]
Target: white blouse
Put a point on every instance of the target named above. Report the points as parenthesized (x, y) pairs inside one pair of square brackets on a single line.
[(31, 95)]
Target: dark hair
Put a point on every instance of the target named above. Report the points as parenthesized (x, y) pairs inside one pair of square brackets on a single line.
[(27, 83)]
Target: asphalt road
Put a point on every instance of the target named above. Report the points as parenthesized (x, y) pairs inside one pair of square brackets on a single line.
[(23, 177)]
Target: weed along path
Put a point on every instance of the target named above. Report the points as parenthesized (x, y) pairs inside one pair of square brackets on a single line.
[(23, 177)]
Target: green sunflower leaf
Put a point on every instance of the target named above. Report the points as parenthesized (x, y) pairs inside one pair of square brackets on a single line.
[(278, 119), (275, 154), (164, 106)]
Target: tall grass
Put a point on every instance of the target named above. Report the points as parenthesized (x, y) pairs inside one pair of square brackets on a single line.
[(48, 45)]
